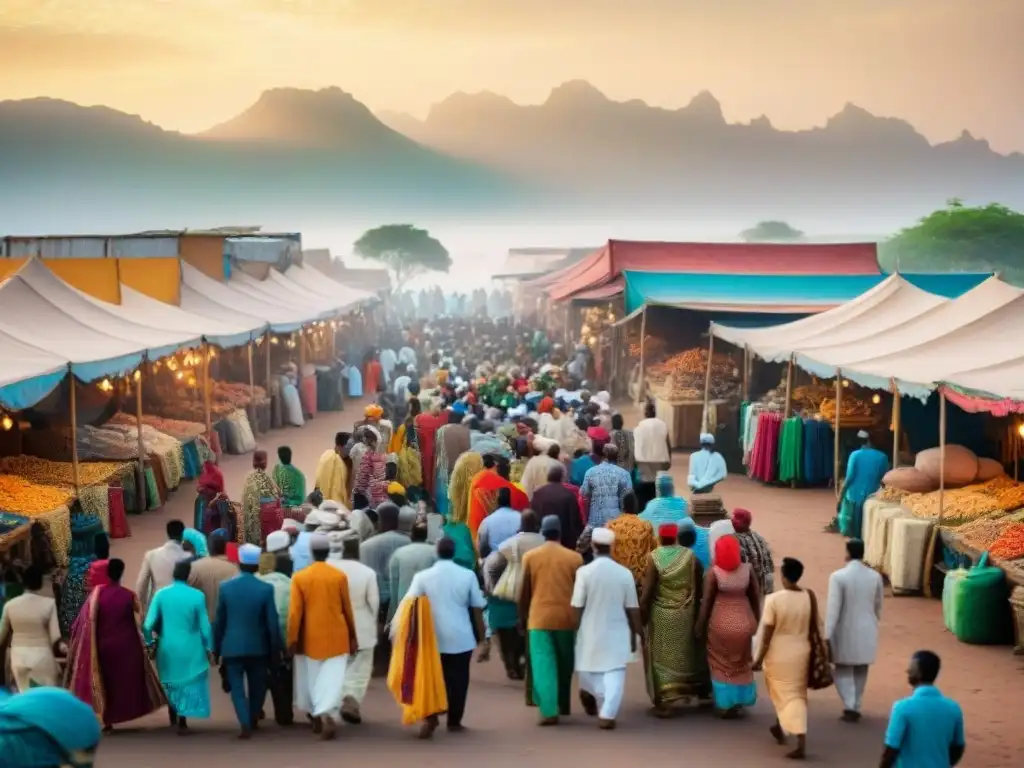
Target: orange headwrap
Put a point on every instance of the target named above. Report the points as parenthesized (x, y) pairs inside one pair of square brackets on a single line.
[(547, 405)]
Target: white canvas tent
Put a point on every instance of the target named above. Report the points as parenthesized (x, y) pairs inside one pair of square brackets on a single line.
[(309, 279), (316, 309), (203, 295)]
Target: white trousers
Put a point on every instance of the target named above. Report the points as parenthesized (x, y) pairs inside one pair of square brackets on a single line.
[(33, 666), (357, 676), (607, 688), (319, 685), (850, 683)]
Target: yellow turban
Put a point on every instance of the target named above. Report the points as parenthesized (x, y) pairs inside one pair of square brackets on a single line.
[(373, 412)]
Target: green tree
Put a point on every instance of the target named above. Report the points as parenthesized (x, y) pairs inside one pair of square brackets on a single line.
[(960, 238), (404, 250), (772, 232)]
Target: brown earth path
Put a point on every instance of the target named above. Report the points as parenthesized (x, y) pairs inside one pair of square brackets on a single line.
[(988, 682)]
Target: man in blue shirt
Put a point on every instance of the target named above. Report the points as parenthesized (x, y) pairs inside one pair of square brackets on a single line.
[(926, 730)]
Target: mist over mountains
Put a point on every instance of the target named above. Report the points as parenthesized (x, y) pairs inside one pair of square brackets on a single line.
[(320, 156)]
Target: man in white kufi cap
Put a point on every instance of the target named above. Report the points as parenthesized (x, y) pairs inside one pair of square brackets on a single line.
[(606, 604), (301, 556), (707, 467)]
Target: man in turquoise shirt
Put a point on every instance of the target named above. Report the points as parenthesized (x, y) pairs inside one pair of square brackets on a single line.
[(926, 730), (864, 472)]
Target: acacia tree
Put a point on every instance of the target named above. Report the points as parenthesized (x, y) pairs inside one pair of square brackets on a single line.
[(404, 250), (960, 238), (772, 232)]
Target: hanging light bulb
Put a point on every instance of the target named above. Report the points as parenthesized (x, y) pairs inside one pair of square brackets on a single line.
[(213, 353), (105, 385), (274, 340), (1020, 430), (846, 383), (876, 399), (179, 375), (7, 423), (137, 376)]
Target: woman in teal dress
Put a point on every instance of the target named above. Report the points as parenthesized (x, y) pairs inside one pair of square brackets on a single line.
[(178, 628)]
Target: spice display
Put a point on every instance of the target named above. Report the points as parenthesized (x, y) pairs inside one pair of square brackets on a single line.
[(854, 409), (58, 473), (981, 534), (891, 493), (176, 428), (959, 506), (1010, 544), (185, 403), (682, 376), (23, 497)]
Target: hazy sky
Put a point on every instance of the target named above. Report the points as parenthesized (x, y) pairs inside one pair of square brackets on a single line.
[(945, 65)]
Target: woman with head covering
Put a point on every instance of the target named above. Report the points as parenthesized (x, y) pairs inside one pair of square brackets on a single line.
[(728, 621), (97, 573), (755, 550), (785, 654), (635, 539), (426, 425), (107, 664), (177, 630), (717, 530), (193, 542), (669, 604), (371, 478), (453, 440), (456, 525), (666, 507), (261, 502), (700, 545), (483, 495), (47, 727)]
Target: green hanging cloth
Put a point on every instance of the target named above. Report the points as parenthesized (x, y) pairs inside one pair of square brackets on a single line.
[(791, 443)]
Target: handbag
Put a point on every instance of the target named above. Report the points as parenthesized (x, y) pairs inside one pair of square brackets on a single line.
[(819, 671), (507, 587)]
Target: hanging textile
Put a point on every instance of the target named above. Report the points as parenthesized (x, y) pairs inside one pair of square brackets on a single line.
[(791, 442), (764, 455), (818, 452)]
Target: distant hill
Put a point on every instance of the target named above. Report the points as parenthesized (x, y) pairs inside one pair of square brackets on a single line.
[(299, 155), (580, 140), (306, 159)]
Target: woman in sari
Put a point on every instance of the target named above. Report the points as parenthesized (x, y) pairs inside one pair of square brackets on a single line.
[(755, 550), (728, 619), (96, 576), (666, 508), (427, 425), (209, 490), (107, 664), (453, 440), (483, 497), (177, 631), (289, 480), (456, 527), (373, 378), (415, 676), (785, 655), (670, 604), (47, 727), (261, 502)]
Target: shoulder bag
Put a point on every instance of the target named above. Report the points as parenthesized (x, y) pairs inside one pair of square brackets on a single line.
[(507, 587), (819, 671)]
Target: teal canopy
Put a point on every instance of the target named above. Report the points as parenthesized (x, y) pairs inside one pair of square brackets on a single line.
[(795, 294)]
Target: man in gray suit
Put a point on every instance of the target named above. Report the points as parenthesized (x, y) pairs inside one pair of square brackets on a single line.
[(247, 637), (851, 626)]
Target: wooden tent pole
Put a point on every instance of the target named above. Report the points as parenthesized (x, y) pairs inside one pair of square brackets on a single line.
[(929, 558), (707, 382), (206, 391), (643, 349), (789, 389), (747, 373), (252, 385), (895, 425), (266, 343), (835, 437), (140, 489), (73, 408)]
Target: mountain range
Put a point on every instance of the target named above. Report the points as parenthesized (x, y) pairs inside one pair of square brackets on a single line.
[(322, 155)]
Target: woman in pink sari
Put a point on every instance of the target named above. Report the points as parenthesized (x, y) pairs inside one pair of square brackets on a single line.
[(108, 667)]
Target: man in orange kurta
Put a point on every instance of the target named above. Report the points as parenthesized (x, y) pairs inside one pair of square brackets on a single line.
[(321, 636)]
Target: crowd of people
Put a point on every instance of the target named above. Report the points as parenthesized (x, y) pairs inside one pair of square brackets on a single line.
[(487, 498)]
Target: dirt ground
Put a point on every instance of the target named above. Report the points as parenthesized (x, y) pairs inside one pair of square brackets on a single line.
[(988, 682)]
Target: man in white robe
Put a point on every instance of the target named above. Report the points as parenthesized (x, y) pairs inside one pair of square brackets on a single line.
[(158, 564), (365, 597), (608, 616), (707, 467), (854, 611)]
